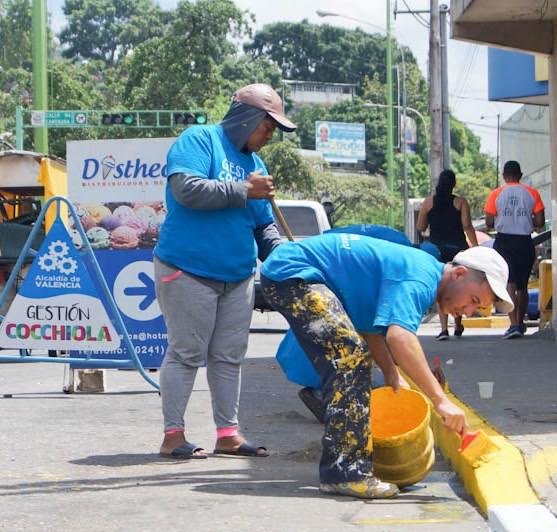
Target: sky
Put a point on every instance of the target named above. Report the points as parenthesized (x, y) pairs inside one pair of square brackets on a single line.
[(467, 62)]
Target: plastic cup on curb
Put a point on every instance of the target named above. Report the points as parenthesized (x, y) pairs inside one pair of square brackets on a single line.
[(486, 389)]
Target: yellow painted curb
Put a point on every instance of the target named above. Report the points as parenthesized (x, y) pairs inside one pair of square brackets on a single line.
[(500, 481), (539, 465), (487, 322)]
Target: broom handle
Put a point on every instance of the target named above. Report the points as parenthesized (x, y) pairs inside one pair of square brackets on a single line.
[(280, 217)]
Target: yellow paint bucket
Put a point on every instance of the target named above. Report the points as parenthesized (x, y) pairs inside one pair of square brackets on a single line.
[(402, 438)]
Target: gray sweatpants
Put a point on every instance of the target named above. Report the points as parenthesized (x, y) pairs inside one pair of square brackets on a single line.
[(207, 322)]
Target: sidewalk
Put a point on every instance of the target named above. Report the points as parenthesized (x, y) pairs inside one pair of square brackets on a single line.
[(523, 407)]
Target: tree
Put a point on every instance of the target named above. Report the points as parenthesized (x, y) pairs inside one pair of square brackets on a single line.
[(109, 29), (15, 89), (418, 175), (83, 86), (309, 52), (181, 69), (357, 199), (291, 173), (15, 34)]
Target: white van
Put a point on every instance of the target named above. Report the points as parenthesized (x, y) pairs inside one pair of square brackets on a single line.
[(305, 218)]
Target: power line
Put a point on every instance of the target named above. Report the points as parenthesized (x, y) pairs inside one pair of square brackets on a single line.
[(508, 129), (422, 21)]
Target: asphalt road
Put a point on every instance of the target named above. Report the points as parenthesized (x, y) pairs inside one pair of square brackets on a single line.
[(90, 462)]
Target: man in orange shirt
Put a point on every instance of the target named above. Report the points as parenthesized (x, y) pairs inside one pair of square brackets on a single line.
[(515, 210)]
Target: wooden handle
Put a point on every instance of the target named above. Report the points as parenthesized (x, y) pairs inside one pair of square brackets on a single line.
[(281, 219)]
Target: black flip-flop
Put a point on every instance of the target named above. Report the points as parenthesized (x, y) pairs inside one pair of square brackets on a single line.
[(186, 452), (245, 449)]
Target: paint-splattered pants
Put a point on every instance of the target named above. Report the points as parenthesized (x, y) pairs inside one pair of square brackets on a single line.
[(340, 356)]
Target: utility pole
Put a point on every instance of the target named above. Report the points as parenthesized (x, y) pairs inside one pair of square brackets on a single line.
[(404, 147), (389, 88), (446, 124), (39, 55), (435, 96)]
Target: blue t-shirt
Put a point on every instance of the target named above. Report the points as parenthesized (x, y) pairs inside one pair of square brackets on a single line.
[(383, 232), (379, 283), (290, 355), (218, 244)]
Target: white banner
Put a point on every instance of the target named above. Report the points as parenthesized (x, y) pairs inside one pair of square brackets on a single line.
[(101, 171)]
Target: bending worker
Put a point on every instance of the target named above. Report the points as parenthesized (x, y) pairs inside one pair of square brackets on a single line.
[(347, 297)]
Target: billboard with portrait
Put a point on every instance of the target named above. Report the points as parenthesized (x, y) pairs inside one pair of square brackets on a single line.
[(340, 141)]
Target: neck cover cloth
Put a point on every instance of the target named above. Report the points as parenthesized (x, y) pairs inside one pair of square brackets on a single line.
[(241, 121)]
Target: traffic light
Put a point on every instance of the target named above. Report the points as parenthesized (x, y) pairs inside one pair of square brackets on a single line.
[(190, 119), (122, 119)]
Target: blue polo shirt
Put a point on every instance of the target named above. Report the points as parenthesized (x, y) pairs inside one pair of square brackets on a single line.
[(217, 244)]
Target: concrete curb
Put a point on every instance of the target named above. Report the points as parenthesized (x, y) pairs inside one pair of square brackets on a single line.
[(501, 487)]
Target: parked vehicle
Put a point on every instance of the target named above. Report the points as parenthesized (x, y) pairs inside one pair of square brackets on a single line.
[(304, 218)]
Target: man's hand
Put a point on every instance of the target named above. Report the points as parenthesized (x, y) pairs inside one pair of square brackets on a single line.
[(453, 416), (395, 380), (407, 351), (260, 187)]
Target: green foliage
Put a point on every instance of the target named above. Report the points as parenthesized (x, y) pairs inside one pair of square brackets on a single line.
[(239, 71), (109, 29), (181, 69), (89, 85), (347, 111), (291, 173), (15, 34), (131, 54), (357, 199), (15, 88), (418, 176), (325, 53)]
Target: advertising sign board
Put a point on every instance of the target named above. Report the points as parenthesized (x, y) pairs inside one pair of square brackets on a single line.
[(118, 189)]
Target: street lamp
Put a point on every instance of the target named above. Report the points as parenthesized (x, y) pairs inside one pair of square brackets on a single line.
[(498, 115), (389, 89)]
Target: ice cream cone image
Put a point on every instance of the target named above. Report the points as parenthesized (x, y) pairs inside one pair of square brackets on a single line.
[(108, 163)]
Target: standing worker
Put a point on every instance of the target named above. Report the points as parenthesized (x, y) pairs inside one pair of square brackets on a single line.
[(448, 218), (515, 210), (219, 218)]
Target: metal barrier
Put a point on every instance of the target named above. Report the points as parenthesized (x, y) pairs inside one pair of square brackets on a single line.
[(133, 361), (545, 297)]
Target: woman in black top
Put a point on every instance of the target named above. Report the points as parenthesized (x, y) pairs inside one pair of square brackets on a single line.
[(448, 219)]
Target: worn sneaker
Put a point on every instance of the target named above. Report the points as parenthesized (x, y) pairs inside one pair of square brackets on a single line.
[(458, 332), (368, 488), (523, 328), (443, 335), (313, 400), (512, 332)]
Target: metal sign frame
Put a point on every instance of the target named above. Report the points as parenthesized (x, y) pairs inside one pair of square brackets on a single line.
[(133, 362)]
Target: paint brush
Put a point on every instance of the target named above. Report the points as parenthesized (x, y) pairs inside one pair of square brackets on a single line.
[(477, 448)]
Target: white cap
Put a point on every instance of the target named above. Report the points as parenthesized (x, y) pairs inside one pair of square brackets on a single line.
[(496, 270)]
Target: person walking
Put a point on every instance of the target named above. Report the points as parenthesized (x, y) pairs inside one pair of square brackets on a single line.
[(219, 218), (515, 210), (449, 222), (349, 298)]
